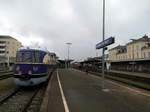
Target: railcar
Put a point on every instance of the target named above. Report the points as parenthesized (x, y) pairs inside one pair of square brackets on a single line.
[(33, 66)]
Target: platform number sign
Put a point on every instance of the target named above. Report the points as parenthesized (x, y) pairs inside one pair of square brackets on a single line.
[(105, 43)]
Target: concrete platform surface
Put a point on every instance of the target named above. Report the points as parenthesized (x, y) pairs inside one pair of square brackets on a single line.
[(75, 91)]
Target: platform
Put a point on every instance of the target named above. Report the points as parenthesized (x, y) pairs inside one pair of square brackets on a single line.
[(71, 90)]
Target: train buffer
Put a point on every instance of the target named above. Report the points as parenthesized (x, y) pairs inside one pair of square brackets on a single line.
[(70, 90)]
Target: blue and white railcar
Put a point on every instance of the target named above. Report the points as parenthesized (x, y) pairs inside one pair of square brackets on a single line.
[(33, 66)]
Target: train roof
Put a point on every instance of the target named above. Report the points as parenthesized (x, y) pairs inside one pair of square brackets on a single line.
[(31, 50), (36, 49)]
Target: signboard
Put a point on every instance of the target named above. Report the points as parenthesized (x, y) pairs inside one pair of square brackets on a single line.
[(105, 43)]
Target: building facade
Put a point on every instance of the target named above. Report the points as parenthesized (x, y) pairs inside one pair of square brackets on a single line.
[(8, 46), (136, 50), (118, 53), (134, 56), (50, 58), (8, 49)]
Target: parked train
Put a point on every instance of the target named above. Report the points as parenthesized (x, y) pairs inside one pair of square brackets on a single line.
[(33, 66)]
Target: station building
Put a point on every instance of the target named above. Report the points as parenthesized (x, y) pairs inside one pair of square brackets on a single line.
[(92, 63), (51, 59), (8, 49), (134, 56)]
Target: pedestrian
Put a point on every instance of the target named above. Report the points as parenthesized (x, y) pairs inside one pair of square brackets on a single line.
[(87, 69)]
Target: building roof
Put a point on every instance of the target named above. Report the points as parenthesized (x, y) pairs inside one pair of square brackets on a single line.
[(65, 61), (6, 37), (118, 47), (145, 38), (51, 53)]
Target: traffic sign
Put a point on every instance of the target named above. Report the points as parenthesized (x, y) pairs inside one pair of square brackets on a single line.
[(105, 43)]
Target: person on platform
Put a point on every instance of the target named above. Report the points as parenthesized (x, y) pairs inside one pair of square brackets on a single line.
[(87, 69)]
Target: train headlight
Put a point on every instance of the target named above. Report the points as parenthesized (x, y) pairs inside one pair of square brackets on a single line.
[(30, 72), (19, 73)]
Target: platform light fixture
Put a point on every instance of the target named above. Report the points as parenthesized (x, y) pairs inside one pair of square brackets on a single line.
[(103, 50)]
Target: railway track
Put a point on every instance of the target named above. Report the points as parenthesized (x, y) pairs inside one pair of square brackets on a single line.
[(23, 100), (127, 79), (6, 75), (8, 95)]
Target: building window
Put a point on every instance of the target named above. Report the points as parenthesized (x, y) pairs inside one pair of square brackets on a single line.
[(137, 47), (149, 54), (2, 42), (2, 51), (144, 55), (148, 44), (2, 47), (137, 55)]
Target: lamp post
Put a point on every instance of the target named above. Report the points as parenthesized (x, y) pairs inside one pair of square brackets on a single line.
[(103, 50), (7, 58), (132, 51), (68, 44)]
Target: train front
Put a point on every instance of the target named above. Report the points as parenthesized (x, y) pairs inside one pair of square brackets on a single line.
[(29, 68)]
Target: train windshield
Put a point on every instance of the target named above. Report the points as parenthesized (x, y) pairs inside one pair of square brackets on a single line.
[(28, 56), (36, 57)]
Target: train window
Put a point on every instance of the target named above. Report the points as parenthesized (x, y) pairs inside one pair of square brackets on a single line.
[(36, 57), (19, 57), (27, 57), (24, 57)]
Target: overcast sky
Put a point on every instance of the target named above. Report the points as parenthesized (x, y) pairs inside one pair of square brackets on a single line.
[(52, 23)]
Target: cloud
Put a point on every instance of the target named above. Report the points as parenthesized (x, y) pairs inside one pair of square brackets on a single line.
[(53, 23)]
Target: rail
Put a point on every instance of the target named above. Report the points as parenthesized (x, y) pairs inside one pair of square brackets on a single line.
[(6, 75)]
